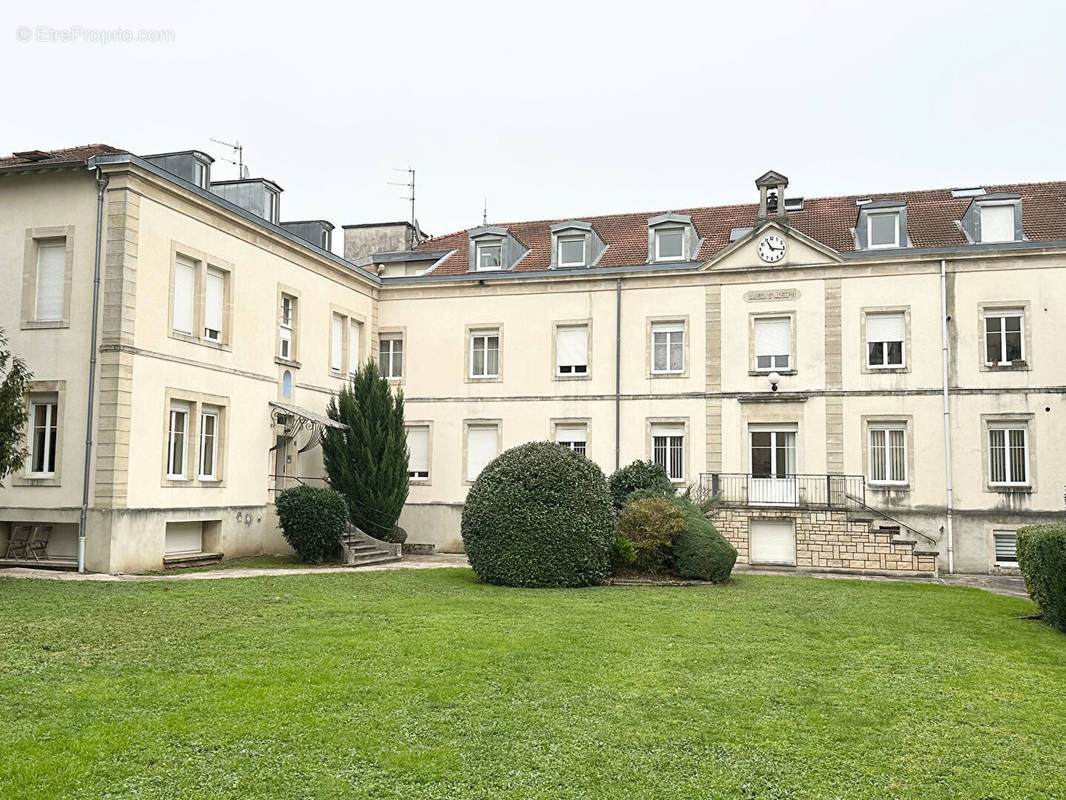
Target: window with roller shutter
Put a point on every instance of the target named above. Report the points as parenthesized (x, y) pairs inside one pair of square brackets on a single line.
[(885, 337), (572, 351), (418, 446), (184, 303), (773, 344), (51, 276)]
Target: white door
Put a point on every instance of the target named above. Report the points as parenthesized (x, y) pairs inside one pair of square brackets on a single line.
[(772, 541), (773, 468)]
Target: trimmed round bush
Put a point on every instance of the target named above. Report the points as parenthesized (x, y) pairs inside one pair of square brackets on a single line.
[(312, 521), (640, 475), (539, 515), (702, 553), (1042, 560), (649, 525)]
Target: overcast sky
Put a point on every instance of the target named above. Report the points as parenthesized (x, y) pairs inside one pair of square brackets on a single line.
[(553, 110)]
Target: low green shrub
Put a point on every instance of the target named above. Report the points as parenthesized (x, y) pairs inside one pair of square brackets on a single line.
[(623, 555), (640, 475), (650, 524), (539, 515), (702, 553), (312, 521), (1042, 560)]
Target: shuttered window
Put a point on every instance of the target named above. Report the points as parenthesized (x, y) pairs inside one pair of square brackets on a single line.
[(51, 275), (1006, 547), (668, 449), (216, 282), (418, 444), (888, 454), (997, 223), (773, 343), (572, 350), (573, 437), (1008, 454), (885, 334), (336, 344), (667, 347), (481, 448), (184, 294)]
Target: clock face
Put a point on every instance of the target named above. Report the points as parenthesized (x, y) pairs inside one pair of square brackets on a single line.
[(772, 249)]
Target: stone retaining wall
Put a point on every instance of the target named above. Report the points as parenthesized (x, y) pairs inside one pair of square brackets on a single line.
[(829, 540)]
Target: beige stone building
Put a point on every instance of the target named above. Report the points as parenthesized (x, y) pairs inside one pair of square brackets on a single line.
[(867, 383)]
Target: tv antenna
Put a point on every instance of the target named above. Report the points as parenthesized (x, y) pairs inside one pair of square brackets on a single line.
[(238, 150), (485, 212), (410, 196)]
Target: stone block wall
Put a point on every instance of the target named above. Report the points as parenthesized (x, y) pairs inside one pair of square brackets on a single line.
[(829, 540)]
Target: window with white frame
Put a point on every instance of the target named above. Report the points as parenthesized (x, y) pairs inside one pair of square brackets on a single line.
[(888, 453), (572, 437), (885, 334), (199, 174), (572, 350), (997, 222), (482, 446), (1004, 337), (51, 277), (571, 251), (489, 255), (355, 346), (1005, 544), (667, 348), (208, 444), (44, 420), (390, 355), (270, 206), (418, 446), (213, 304), (177, 435), (882, 230), (336, 343), (669, 244), (1008, 454), (286, 320), (184, 301), (668, 450), (773, 343), (485, 354)]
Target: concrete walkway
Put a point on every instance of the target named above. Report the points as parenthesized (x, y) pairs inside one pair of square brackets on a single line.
[(408, 562), (1009, 585)]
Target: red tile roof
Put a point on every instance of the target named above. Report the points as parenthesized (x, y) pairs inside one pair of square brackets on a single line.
[(931, 217), (80, 153)]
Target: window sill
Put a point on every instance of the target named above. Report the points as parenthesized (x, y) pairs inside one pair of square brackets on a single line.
[(667, 374), (1017, 366), (874, 370), (44, 324), (287, 362), (190, 339), (888, 487), (36, 480), (762, 373), (1007, 489), (487, 379), (585, 377)]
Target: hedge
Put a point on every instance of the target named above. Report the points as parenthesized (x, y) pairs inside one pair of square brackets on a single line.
[(539, 515), (1042, 560), (640, 475), (312, 521), (649, 525), (701, 552)]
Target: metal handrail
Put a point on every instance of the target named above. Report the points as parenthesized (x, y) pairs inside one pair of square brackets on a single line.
[(890, 518), (800, 490)]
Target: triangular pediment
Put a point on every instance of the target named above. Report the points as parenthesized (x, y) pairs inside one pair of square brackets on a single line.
[(771, 179), (800, 250)]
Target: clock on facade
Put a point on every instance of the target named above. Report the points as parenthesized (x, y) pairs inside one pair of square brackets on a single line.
[(772, 249)]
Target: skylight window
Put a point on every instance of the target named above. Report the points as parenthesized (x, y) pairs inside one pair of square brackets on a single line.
[(975, 191)]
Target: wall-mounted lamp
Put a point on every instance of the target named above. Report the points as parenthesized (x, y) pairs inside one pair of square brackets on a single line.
[(774, 378)]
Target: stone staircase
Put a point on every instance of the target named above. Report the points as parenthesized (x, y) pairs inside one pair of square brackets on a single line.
[(361, 550), (893, 550)]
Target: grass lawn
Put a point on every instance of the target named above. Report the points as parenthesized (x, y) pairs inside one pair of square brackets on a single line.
[(424, 684)]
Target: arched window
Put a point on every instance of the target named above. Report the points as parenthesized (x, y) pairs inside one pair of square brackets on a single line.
[(286, 385)]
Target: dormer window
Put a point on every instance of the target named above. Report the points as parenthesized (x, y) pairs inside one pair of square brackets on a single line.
[(882, 225), (669, 244), (883, 229), (997, 222), (571, 251), (672, 237), (489, 256), (270, 206)]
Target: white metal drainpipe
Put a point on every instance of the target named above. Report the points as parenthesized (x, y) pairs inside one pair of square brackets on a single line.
[(947, 408), (101, 185), (617, 373)]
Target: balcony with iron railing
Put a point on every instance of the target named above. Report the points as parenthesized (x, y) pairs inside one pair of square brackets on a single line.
[(792, 491)]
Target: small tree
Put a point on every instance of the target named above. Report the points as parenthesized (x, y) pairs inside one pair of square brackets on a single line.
[(13, 379), (367, 462)]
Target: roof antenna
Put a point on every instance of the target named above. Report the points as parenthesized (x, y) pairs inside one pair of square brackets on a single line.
[(410, 186), (238, 150), (485, 213)]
